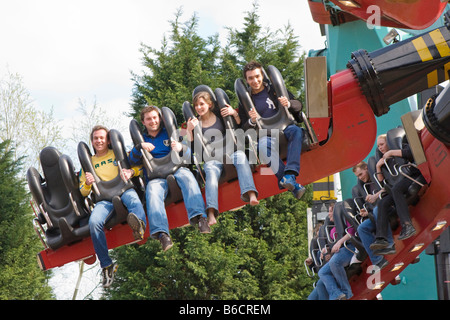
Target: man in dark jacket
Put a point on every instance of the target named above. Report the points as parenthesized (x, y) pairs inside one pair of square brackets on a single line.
[(264, 98)]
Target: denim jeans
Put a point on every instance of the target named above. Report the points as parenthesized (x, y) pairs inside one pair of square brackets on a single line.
[(269, 154), (333, 273), (213, 170), (366, 232), (156, 192), (319, 292), (98, 218)]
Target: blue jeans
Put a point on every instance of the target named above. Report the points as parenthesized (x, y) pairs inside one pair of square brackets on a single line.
[(156, 192), (319, 292), (213, 170), (366, 232), (98, 217), (269, 154), (333, 273)]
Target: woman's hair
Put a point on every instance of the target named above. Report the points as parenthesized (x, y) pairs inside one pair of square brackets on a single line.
[(202, 94)]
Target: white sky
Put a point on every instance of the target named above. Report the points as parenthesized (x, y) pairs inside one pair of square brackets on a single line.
[(67, 50), (85, 49)]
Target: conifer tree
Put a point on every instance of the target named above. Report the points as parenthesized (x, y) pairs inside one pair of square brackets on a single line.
[(184, 61), (20, 276)]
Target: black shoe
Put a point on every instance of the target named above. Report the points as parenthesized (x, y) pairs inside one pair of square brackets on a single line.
[(137, 225), (380, 265), (408, 231), (379, 244), (385, 251), (165, 240), (108, 274)]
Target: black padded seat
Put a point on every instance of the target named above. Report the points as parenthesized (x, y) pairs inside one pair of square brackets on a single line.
[(61, 207), (396, 138)]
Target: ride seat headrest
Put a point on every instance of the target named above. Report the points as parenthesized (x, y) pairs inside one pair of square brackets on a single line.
[(205, 88), (394, 138), (49, 157)]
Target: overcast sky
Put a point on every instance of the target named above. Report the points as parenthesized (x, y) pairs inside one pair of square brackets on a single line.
[(71, 50)]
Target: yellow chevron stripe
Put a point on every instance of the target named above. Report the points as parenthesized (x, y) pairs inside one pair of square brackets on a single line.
[(326, 179), (323, 195), (447, 70), (432, 78), (440, 43), (422, 49)]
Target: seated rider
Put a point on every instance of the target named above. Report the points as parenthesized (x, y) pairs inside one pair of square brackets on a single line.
[(264, 97), (395, 196), (213, 168), (104, 162), (367, 228), (157, 142)]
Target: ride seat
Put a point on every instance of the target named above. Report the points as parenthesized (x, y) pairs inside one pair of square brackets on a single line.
[(396, 138), (166, 166), (109, 190), (343, 211), (56, 201), (282, 118), (219, 99)]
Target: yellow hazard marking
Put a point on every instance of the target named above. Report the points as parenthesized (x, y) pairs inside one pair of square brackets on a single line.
[(432, 78), (440, 43), (324, 195), (422, 49), (447, 70)]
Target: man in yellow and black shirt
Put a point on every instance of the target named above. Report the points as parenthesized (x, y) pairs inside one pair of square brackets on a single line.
[(105, 166)]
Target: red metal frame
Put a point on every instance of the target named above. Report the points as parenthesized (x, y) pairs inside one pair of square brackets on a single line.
[(433, 207), (409, 14)]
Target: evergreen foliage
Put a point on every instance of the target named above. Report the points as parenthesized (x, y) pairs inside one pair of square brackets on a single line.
[(20, 276), (252, 253), (185, 60)]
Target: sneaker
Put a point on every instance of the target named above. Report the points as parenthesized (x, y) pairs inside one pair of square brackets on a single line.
[(203, 225), (298, 191), (165, 240), (288, 182), (407, 231), (108, 275), (137, 225), (385, 251), (379, 244), (342, 296)]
